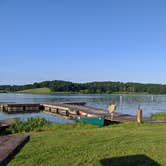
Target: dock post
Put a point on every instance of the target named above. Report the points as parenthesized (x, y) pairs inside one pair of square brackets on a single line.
[(139, 114)]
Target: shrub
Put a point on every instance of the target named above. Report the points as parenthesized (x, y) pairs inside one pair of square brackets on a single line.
[(28, 125), (159, 116)]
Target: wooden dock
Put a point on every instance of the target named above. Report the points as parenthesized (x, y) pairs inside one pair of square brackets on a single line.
[(118, 117), (67, 110), (20, 108), (9, 146)]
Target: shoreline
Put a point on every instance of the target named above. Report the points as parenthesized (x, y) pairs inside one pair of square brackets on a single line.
[(79, 93)]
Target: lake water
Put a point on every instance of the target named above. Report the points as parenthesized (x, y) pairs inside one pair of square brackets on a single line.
[(125, 103)]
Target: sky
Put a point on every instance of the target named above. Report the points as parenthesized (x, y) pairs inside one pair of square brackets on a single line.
[(82, 41)]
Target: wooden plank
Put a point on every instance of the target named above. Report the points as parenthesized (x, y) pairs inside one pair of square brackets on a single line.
[(22, 104), (10, 146), (57, 106), (21, 108)]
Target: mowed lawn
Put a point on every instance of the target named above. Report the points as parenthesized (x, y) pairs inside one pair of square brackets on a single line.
[(79, 144)]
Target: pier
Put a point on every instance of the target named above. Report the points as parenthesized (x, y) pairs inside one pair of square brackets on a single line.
[(67, 110), (20, 108)]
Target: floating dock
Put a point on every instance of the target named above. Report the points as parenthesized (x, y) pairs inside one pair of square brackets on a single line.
[(20, 108)]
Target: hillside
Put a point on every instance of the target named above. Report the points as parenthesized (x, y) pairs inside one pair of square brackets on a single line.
[(36, 90), (107, 87), (41, 91)]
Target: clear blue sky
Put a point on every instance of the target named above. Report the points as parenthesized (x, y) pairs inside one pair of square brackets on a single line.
[(82, 40)]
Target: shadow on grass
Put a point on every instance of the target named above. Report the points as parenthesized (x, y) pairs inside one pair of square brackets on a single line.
[(109, 122), (134, 160), (4, 131)]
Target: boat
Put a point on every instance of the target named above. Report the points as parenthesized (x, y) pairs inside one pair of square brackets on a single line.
[(8, 122), (81, 113), (99, 121), (92, 115)]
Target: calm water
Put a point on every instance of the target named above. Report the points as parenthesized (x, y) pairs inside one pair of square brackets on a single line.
[(125, 103)]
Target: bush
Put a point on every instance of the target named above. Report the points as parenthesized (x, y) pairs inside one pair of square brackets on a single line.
[(159, 116), (28, 125)]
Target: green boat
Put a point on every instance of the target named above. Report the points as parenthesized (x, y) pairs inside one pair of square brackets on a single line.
[(99, 121)]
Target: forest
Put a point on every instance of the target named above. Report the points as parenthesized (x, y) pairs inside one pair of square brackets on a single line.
[(106, 87)]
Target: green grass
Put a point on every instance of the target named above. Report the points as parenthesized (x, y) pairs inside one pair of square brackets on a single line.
[(79, 144), (159, 116), (42, 91), (36, 90)]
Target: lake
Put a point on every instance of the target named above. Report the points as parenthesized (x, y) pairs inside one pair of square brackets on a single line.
[(126, 103)]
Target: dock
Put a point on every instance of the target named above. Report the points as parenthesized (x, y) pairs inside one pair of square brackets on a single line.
[(67, 110), (20, 108)]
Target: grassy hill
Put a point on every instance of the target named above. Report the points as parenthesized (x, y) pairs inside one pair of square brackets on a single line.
[(78, 144), (107, 87), (36, 90), (42, 91)]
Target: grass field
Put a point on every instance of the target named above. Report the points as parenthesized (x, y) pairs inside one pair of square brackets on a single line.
[(79, 144), (42, 91), (36, 90)]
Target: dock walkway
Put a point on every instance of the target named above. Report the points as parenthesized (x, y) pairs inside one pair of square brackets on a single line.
[(66, 110), (56, 108)]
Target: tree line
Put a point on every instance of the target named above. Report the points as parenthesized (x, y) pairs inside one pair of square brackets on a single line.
[(107, 87)]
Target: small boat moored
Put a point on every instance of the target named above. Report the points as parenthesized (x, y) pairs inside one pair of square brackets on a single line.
[(8, 122), (99, 121)]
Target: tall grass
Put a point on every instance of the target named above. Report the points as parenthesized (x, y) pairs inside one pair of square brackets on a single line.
[(28, 125)]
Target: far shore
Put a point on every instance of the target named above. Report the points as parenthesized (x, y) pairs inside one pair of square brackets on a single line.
[(49, 92)]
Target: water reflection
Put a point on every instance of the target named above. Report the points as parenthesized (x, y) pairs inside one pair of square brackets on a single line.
[(24, 116)]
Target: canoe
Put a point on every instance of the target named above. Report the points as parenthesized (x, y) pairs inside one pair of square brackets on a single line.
[(82, 113), (99, 121)]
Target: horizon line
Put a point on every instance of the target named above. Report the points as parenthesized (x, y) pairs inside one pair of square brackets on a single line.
[(125, 82)]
